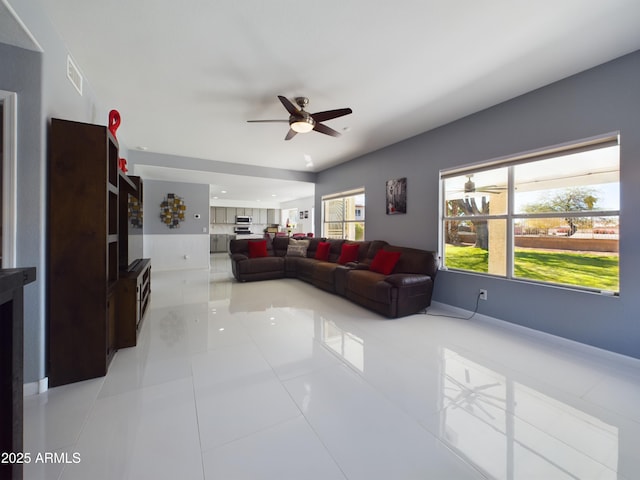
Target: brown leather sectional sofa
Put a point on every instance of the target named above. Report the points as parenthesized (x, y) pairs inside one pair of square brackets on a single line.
[(406, 290)]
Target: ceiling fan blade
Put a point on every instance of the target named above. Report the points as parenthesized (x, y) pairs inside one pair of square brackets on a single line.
[(267, 121), (292, 133), (329, 114), (319, 127), (289, 106)]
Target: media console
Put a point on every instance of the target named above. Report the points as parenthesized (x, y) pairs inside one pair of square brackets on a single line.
[(134, 291)]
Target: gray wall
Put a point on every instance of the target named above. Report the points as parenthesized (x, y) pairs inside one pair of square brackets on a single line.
[(20, 72), (601, 100), (196, 198), (39, 79)]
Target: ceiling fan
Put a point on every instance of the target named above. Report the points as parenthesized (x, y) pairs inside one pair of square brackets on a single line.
[(470, 187), (301, 121)]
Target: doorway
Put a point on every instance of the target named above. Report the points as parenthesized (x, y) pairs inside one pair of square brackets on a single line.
[(8, 179), (1, 177)]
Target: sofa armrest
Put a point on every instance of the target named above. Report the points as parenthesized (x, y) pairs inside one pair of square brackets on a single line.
[(237, 257), (407, 279)]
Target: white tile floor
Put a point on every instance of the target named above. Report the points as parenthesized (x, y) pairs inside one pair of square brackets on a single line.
[(278, 380)]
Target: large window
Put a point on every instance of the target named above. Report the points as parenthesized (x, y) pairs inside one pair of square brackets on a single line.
[(550, 217), (343, 215)]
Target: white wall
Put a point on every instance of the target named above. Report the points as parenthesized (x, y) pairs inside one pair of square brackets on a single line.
[(177, 252), (304, 225), (186, 247)]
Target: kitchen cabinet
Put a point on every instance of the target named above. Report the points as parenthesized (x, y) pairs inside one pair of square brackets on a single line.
[(272, 216), (262, 216), (220, 243), (220, 215), (227, 215)]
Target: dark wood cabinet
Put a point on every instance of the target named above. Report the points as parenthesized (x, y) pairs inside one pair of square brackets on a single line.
[(134, 292), (11, 366), (82, 256)]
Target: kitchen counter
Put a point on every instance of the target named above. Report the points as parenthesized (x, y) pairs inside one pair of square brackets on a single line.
[(252, 236)]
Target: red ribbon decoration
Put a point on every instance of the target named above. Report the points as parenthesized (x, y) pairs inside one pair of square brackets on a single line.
[(114, 121)]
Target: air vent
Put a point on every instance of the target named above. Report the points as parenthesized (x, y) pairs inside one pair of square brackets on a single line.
[(74, 75)]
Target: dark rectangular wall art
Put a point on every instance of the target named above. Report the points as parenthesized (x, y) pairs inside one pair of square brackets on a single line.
[(397, 196)]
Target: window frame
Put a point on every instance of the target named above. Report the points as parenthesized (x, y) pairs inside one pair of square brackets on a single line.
[(511, 216), (341, 196)]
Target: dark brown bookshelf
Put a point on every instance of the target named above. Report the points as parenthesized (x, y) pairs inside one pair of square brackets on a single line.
[(83, 251)]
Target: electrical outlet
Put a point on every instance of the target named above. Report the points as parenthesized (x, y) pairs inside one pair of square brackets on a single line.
[(483, 294)]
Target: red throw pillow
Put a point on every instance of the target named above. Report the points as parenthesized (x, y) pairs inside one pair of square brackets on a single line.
[(322, 253), (384, 262), (258, 248), (349, 253)]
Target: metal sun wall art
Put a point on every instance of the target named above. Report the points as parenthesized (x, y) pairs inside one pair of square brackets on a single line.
[(172, 210)]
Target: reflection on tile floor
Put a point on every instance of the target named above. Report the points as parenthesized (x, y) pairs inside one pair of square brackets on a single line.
[(280, 380)]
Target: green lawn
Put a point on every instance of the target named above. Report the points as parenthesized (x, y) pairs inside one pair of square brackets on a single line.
[(586, 270)]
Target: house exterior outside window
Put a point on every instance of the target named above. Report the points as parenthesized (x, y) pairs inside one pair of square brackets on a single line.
[(550, 216), (343, 215)]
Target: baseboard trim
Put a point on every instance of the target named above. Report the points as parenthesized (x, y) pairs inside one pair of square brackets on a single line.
[(544, 336), (35, 388)]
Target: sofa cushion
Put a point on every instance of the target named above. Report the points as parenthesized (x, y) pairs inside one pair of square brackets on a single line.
[(322, 252), (384, 261), (415, 261), (297, 251), (280, 245), (368, 284), (241, 245), (374, 246), (349, 253), (258, 248), (262, 265), (336, 249), (323, 275), (304, 267), (303, 242)]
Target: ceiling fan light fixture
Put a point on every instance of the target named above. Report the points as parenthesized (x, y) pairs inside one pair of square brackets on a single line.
[(302, 125), (469, 186), (301, 121)]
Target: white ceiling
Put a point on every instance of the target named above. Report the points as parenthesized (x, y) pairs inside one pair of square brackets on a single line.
[(234, 190), (186, 76)]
